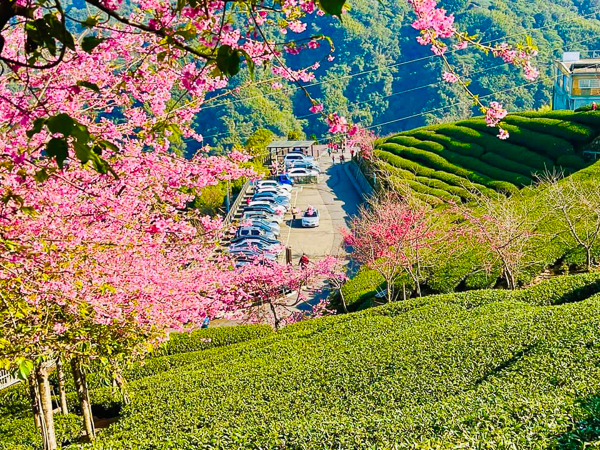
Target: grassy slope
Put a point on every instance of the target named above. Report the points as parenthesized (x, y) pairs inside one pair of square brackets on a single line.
[(486, 369)]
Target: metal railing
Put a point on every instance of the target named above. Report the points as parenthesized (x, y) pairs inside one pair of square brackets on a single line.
[(236, 203), (7, 379)]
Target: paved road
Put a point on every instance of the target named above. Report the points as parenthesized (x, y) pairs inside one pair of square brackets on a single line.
[(336, 198)]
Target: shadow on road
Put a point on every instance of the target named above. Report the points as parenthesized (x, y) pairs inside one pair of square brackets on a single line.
[(343, 189)]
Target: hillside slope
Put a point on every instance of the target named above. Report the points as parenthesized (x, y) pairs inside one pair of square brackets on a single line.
[(486, 369)]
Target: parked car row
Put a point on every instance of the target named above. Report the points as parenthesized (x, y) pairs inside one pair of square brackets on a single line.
[(298, 165), (261, 218)]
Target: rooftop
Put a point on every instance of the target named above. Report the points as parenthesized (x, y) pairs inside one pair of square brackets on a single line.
[(572, 62), (290, 144)]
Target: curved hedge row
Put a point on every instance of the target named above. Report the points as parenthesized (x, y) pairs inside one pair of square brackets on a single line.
[(571, 161), (464, 148), (589, 118), (543, 144), (572, 132), (211, 337), (493, 144)]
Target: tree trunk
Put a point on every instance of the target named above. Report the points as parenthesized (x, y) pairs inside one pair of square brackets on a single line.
[(34, 397), (84, 398), (344, 306), (588, 258), (275, 318), (121, 384), (64, 409), (47, 417)]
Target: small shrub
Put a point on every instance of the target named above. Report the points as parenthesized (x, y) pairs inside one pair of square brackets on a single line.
[(570, 131), (571, 161)]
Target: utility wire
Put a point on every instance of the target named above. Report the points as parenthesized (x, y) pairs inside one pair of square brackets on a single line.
[(379, 68)]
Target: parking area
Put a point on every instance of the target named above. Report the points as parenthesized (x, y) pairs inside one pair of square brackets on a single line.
[(336, 198)]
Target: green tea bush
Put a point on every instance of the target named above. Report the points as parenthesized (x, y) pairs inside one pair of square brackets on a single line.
[(439, 193), (362, 286), (211, 337), (470, 369), (570, 131), (439, 184), (589, 118), (492, 144), (563, 289), (463, 148), (571, 161), (544, 144), (494, 159)]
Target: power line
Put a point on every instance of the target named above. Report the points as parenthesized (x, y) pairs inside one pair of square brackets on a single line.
[(379, 68), (422, 87)]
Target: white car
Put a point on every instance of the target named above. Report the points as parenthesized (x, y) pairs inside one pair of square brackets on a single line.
[(277, 191), (273, 184), (291, 158), (255, 231), (255, 245), (310, 218), (305, 165), (302, 172), (261, 215), (278, 208)]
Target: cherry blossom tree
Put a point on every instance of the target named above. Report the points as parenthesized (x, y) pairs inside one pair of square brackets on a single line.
[(506, 227), (272, 291), (574, 203), (392, 235)]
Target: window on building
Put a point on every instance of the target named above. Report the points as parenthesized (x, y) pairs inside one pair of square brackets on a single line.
[(589, 83)]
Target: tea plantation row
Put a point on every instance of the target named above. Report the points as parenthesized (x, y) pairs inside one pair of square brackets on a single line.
[(437, 162), (483, 369)]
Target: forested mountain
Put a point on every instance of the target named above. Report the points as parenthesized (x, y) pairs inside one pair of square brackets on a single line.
[(383, 79)]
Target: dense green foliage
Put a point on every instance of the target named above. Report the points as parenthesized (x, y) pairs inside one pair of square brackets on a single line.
[(469, 152), (481, 369), (380, 75), (211, 337)]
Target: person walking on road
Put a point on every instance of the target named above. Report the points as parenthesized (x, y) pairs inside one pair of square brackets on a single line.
[(342, 158), (329, 151), (333, 158), (303, 261)]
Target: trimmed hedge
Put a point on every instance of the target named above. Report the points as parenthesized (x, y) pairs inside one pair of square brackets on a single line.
[(464, 148), (571, 161), (211, 337), (560, 290), (477, 368), (572, 132), (363, 286), (589, 118), (501, 162), (493, 144), (545, 145), (439, 184)]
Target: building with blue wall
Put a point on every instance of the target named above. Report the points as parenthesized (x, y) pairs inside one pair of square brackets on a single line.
[(576, 81)]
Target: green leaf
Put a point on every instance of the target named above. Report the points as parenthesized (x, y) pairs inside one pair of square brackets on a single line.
[(333, 7), (250, 63), (90, 22), (58, 148), (86, 84), (37, 127), (82, 152), (89, 43), (101, 165), (41, 176), (59, 32), (81, 133), (61, 123), (25, 368), (228, 60)]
